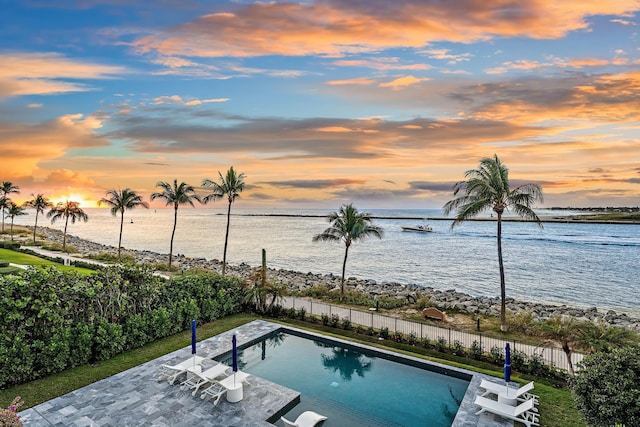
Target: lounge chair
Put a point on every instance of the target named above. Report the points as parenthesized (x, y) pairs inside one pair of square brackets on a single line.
[(196, 379), (215, 392), (172, 372), (521, 393), (521, 413), (305, 419)]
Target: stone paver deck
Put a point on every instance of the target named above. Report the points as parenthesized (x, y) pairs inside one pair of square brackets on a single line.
[(136, 398)]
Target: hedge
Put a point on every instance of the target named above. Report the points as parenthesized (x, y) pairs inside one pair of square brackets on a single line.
[(53, 320)]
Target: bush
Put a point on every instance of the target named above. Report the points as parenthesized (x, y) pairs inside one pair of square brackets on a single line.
[(334, 320), (9, 417), (518, 360), (476, 350), (496, 355), (346, 323), (384, 333), (9, 244), (324, 317), (606, 388), (441, 344)]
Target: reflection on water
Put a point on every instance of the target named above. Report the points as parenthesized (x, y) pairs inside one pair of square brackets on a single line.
[(346, 362)]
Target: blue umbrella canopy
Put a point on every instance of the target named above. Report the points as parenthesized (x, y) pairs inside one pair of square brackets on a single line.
[(507, 363), (234, 354), (193, 337)]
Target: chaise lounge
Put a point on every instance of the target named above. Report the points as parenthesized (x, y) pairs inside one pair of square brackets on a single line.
[(521, 393), (521, 413), (172, 372), (196, 379), (306, 419)]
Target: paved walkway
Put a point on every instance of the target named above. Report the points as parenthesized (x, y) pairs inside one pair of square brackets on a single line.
[(553, 356)]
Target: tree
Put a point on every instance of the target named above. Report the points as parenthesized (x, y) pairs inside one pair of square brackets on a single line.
[(348, 225), (39, 203), (230, 185), (606, 388), (67, 210), (119, 201), (5, 202), (487, 188), (176, 195), (14, 211)]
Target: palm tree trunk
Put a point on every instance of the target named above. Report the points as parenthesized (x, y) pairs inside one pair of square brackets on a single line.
[(344, 268), (120, 238), (64, 236), (35, 227), (173, 233), (226, 238), (503, 293), (11, 228), (567, 351), (2, 220)]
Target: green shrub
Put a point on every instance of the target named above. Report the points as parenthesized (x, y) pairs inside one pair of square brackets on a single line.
[(476, 350), (384, 333), (441, 344), (496, 355), (9, 244)]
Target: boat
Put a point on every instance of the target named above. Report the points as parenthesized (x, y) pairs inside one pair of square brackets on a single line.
[(418, 228)]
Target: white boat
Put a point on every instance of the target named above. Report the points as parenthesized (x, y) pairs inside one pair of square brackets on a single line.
[(419, 228)]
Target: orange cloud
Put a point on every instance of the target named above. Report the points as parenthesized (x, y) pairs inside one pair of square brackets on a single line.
[(42, 74), (402, 82), (334, 28), (356, 81)]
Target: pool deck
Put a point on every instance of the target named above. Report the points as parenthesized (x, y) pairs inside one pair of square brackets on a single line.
[(135, 397)]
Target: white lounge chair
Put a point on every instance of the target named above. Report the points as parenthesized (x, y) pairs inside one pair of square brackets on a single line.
[(172, 372), (196, 379), (215, 392), (305, 419), (521, 413), (521, 393)]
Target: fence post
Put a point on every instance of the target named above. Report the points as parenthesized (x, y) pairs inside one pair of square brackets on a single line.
[(350, 315), (294, 302), (311, 309), (396, 325), (372, 320), (449, 337), (329, 310)]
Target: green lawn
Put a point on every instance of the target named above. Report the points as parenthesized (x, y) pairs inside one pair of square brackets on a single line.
[(557, 408), (25, 259)]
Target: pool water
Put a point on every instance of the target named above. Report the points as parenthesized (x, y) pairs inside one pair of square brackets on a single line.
[(346, 379)]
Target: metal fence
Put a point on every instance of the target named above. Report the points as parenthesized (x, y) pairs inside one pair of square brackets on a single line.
[(552, 356)]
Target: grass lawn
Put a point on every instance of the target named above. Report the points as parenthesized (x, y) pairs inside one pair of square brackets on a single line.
[(25, 259), (557, 408)]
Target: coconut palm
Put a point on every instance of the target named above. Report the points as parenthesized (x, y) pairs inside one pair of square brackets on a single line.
[(229, 186), (39, 203), (5, 202), (348, 225), (67, 210), (14, 211), (176, 195), (119, 201), (487, 188)]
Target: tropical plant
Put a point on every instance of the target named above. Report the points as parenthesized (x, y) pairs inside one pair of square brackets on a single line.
[(14, 211), (5, 202), (566, 331), (606, 388), (348, 225), (487, 188), (67, 210), (595, 337), (176, 195), (119, 201), (229, 186), (38, 202)]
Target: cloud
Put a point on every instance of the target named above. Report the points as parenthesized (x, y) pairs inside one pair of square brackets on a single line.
[(315, 183), (45, 74), (402, 82), (334, 28), (432, 186), (356, 81), (34, 105), (176, 99), (380, 64)]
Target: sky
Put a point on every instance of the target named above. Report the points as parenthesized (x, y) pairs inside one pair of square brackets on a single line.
[(384, 104)]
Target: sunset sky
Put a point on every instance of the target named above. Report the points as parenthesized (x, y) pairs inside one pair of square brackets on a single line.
[(321, 102)]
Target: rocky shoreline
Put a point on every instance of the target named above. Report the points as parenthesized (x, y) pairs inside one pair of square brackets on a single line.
[(296, 281)]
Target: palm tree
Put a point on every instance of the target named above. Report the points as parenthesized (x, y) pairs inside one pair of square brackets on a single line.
[(487, 188), (230, 185), (119, 201), (39, 203), (348, 225), (66, 210), (14, 211), (5, 203), (175, 195)]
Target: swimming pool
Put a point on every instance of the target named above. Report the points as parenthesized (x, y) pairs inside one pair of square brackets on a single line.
[(345, 379)]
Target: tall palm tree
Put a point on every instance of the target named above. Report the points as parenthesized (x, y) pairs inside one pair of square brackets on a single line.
[(176, 195), (348, 225), (119, 201), (67, 210), (230, 185), (487, 188), (39, 203), (14, 211), (5, 189)]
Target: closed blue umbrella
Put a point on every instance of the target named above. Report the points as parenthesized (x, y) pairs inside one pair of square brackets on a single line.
[(234, 358), (507, 364), (193, 341)]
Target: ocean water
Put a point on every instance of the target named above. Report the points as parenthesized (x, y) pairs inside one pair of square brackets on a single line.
[(569, 263)]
